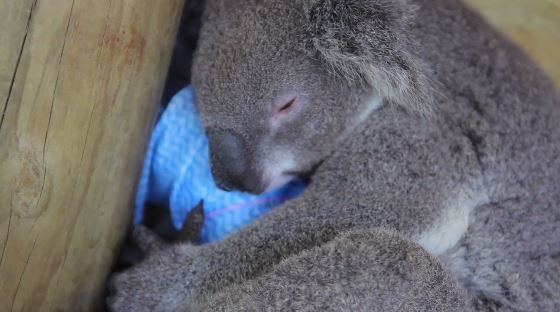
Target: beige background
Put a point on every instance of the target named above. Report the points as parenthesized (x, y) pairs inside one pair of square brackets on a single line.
[(533, 24)]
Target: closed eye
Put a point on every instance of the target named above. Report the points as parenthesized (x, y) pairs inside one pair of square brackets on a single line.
[(288, 105), (286, 108)]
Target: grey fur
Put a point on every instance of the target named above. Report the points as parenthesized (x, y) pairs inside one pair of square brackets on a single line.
[(492, 145), (314, 280)]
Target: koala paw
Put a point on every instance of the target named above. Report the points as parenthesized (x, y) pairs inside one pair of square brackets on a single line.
[(163, 281)]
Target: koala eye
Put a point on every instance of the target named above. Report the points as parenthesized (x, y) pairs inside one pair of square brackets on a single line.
[(287, 107)]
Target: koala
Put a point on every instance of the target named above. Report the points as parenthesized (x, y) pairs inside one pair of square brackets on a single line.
[(432, 146)]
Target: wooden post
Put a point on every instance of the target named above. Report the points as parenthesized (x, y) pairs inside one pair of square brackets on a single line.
[(80, 82)]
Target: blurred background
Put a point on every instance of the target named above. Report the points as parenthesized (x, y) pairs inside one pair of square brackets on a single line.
[(533, 24)]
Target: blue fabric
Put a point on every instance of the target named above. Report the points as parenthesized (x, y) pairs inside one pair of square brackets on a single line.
[(176, 174)]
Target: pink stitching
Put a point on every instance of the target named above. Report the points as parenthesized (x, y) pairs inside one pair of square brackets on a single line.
[(235, 207)]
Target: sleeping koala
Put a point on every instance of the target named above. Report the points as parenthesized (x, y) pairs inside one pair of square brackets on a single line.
[(433, 149)]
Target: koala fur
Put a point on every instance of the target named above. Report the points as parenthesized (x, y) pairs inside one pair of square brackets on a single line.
[(433, 149)]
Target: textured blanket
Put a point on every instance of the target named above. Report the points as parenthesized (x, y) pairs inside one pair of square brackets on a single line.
[(176, 174)]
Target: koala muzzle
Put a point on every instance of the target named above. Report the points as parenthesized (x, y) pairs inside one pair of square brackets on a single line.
[(227, 159)]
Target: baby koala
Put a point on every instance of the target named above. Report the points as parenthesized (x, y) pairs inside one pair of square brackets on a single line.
[(433, 149)]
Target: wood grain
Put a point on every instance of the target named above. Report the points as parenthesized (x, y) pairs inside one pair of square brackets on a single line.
[(79, 84), (532, 24)]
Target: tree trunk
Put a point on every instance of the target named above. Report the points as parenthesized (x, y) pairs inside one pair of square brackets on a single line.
[(79, 85)]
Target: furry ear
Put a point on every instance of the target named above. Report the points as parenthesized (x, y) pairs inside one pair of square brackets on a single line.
[(368, 42)]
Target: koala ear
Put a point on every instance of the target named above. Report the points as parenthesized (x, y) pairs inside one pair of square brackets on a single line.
[(369, 42)]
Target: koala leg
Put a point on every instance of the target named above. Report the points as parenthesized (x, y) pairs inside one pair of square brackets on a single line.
[(360, 270)]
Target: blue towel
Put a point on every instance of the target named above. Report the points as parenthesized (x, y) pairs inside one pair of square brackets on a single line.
[(176, 174)]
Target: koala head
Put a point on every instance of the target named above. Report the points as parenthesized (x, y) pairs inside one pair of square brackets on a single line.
[(280, 83)]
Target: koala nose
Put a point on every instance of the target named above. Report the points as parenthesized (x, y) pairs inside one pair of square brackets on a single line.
[(227, 158)]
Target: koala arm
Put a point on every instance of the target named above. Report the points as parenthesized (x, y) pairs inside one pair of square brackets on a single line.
[(406, 174), (361, 186), (361, 270)]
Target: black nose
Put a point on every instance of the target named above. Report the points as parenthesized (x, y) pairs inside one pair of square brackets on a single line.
[(227, 158)]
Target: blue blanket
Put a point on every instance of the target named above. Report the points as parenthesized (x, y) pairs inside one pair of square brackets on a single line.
[(176, 174)]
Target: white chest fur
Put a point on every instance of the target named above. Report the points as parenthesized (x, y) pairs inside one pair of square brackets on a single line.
[(452, 225)]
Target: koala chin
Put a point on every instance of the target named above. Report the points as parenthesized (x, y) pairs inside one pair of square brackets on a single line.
[(431, 142)]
